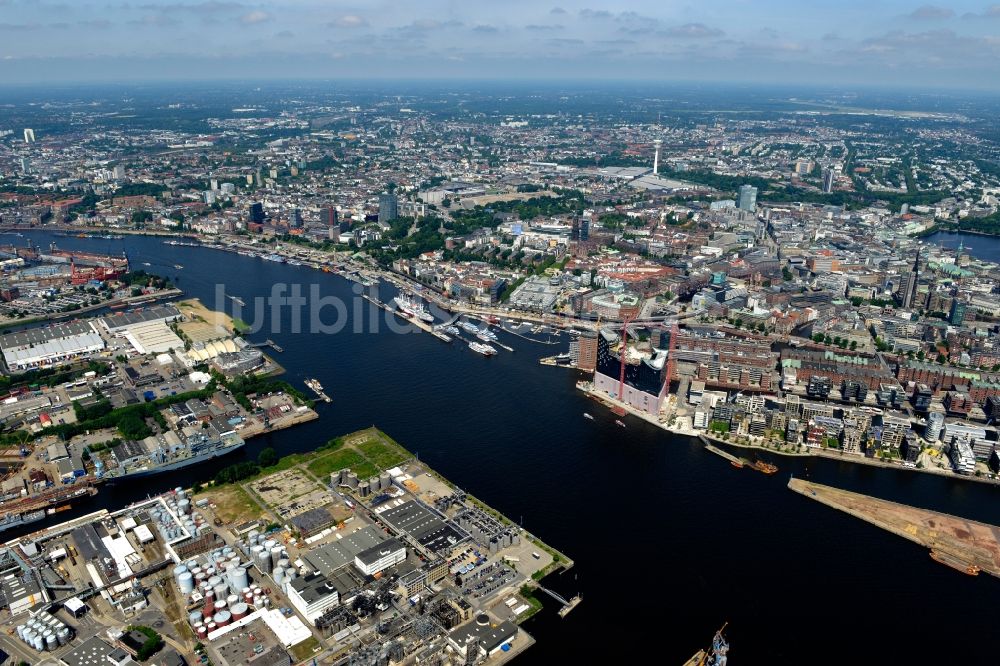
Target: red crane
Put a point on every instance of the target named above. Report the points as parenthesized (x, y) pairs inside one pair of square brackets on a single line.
[(621, 370), (670, 352)]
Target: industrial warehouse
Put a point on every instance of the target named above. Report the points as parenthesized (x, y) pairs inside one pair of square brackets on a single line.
[(404, 569)]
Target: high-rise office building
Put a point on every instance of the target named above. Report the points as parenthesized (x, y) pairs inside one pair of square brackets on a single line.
[(388, 209), (587, 351), (828, 179), (29, 135), (295, 218), (747, 199), (330, 217), (584, 229), (908, 286), (25, 165), (957, 314), (257, 212)]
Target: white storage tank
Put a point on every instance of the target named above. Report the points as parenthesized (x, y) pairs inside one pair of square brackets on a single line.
[(239, 578), (186, 583)]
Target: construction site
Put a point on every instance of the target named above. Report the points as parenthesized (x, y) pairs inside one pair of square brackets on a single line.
[(965, 545)]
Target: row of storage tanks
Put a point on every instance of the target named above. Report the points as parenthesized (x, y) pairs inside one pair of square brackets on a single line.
[(270, 558), (224, 583), (365, 488), (178, 504), (219, 612), (44, 632)]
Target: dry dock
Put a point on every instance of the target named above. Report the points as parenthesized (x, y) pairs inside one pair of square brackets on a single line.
[(965, 545)]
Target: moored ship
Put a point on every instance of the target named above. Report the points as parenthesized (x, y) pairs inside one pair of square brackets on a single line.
[(413, 308), (485, 350), (9, 520), (134, 459)]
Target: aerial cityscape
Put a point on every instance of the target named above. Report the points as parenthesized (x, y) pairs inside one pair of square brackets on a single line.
[(458, 369)]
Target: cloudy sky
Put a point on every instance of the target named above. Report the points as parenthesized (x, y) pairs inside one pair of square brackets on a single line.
[(883, 42)]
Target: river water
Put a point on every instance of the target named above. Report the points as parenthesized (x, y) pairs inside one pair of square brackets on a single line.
[(669, 541), (986, 248)]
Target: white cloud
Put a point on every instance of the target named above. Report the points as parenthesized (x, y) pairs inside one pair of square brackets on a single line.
[(349, 21), (254, 17)]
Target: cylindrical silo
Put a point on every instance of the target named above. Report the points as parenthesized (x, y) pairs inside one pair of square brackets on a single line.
[(38, 642), (240, 579), (220, 605), (63, 636), (186, 583), (51, 642), (279, 576), (221, 590), (194, 617), (384, 481), (202, 632), (222, 618), (239, 610), (263, 561)]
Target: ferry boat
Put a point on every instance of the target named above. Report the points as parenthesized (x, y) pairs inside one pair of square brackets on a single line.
[(413, 307), (314, 385), (178, 266), (485, 350)]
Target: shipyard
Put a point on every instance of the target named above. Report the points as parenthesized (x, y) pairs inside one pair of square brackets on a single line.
[(356, 552), (128, 394)]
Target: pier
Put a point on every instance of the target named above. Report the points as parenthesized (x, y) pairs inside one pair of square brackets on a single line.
[(965, 545), (316, 388), (267, 343), (422, 325), (719, 452), (567, 605)]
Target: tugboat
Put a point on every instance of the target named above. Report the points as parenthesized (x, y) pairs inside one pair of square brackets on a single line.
[(764, 467)]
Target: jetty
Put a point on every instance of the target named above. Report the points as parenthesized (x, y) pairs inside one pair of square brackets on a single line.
[(719, 452), (965, 545), (422, 325), (267, 343)]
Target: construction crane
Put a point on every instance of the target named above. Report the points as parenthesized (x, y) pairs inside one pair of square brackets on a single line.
[(671, 362), (621, 370)]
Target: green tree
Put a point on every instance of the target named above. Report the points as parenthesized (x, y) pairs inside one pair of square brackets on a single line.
[(267, 457)]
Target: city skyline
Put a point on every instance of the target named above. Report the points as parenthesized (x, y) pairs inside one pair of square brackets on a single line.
[(896, 43)]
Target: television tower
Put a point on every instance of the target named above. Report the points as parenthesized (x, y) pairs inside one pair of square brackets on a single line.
[(656, 157)]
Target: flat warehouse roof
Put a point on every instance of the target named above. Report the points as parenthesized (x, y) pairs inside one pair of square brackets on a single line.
[(154, 313), (36, 336), (337, 554)]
